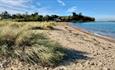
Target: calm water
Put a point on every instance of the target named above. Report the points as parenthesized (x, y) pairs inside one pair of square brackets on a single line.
[(101, 28)]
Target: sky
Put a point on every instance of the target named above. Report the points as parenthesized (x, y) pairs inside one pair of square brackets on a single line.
[(100, 9)]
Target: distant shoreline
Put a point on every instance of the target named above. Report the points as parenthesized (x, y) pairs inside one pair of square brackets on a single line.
[(108, 38)]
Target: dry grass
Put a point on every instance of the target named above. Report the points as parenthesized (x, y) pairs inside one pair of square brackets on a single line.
[(19, 41)]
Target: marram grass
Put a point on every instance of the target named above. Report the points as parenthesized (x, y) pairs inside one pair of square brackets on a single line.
[(19, 41)]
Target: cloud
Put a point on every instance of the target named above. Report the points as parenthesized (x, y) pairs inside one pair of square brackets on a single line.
[(22, 6), (72, 9), (61, 2), (14, 2), (18, 5), (11, 10), (45, 11)]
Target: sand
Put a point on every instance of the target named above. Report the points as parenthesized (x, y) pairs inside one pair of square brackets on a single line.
[(94, 52), (88, 51)]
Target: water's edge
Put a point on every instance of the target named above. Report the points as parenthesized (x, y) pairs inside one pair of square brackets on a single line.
[(92, 33), (98, 28)]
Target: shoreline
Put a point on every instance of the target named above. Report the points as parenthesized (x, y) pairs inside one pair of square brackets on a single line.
[(92, 34), (83, 50), (99, 50)]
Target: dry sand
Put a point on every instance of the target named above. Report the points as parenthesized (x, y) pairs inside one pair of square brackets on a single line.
[(93, 52), (88, 52)]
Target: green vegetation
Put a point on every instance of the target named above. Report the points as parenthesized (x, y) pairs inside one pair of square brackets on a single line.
[(36, 17), (19, 41)]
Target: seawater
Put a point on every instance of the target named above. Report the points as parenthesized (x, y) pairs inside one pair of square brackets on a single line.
[(101, 28)]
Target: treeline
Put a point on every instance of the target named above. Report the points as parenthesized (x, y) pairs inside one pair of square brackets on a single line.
[(36, 17)]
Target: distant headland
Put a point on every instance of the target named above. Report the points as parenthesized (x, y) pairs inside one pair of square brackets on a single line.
[(36, 17)]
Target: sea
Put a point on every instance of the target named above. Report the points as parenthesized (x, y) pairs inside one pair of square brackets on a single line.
[(98, 28)]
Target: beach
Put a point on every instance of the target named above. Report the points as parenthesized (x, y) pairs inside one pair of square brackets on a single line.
[(96, 52), (84, 50), (57, 35)]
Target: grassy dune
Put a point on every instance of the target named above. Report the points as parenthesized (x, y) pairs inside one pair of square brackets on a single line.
[(21, 41)]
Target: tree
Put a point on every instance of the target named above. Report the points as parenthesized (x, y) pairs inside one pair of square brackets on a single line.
[(46, 18), (74, 14), (75, 17), (5, 15), (40, 18), (36, 17), (80, 14)]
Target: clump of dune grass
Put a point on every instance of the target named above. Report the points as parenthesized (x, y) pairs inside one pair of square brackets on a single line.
[(29, 46), (3, 23), (42, 25)]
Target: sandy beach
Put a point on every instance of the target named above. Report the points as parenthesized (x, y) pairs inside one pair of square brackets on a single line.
[(86, 51), (57, 35), (94, 52)]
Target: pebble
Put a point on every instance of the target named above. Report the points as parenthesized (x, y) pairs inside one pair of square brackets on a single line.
[(96, 54), (92, 63), (109, 47), (1, 65), (45, 68), (99, 63), (61, 68), (104, 68), (13, 68), (87, 62), (80, 65)]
